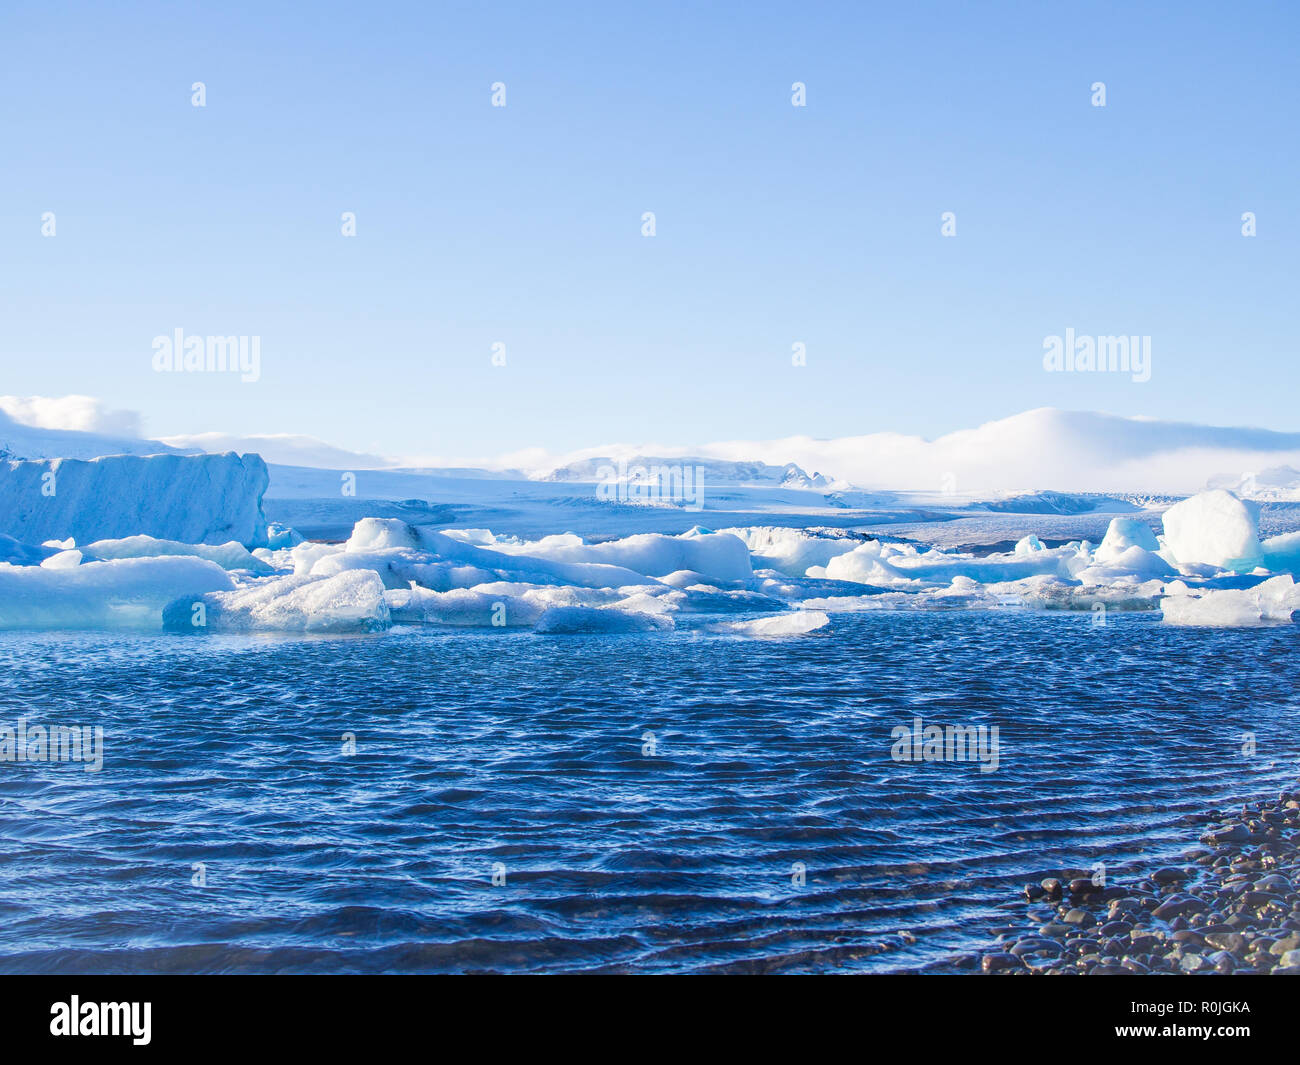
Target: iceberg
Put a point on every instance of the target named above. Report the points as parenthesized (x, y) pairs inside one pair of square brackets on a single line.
[(1268, 603), (351, 602), (1214, 528), (127, 593), (796, 623), (192, 499), (792, 551), (229, 556), (462, 607), (1123, 534), (1282, 553)]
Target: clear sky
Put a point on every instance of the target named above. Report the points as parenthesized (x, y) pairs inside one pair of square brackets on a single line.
[(522, 225)]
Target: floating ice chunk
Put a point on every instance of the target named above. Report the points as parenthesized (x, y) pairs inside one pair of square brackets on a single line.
[(1131, 562), (1214, 529), (903, 566), (280, 536), (644, 603), (1282, 553), (279, 560), (792, 551), (498, 604), (795, 623), (1268, 603), (349, 602), (398, 567), (553, 595), (1045, 593), (1029, 545), (1125, 533), (863, 564), (63, 560), (129, 593), (520, 561), (230, 556), (706, 599), (564, 620), (376, 534), (479, 537), (685, 578), (307, 554), (719, 555), (462, 607)]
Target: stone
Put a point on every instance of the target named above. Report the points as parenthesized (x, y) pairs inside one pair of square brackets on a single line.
[(1232, 942), (1178, 906)]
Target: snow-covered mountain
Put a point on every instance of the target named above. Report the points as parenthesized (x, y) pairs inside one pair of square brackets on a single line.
[(710, 471), (1275, 484), (286, 449), (1037, 450)]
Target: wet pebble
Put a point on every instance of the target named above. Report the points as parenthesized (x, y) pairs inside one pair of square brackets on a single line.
[(1233, 907)]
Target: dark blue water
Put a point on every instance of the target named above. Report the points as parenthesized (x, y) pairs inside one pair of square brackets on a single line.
[(475, 749)]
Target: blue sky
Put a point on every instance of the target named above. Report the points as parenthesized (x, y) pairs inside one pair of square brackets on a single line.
[(522, 224)]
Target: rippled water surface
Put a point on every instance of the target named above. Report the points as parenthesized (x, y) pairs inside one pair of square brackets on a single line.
[(474, 749)]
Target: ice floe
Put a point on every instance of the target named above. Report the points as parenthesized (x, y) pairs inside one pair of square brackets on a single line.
[(351, 602), (1268, 603), (795, 623), (126, 593), (1208, 568)]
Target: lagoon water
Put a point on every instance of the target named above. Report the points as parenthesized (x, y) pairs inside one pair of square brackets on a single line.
[(644, 803)]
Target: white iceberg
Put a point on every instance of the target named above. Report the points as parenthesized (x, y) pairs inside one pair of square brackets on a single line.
[(1123, 534), (193, 499), (130, 593), (1269, 603), (351, 602), (229, 556), (795, 623), (1214, 529)]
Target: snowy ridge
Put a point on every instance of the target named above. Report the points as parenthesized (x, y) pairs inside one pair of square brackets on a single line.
[(640, 468)]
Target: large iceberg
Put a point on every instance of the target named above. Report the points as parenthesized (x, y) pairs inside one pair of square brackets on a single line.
[(194, 499), (1215, 529)]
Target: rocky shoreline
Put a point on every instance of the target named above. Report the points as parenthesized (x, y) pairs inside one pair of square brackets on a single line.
[(1232, 906)]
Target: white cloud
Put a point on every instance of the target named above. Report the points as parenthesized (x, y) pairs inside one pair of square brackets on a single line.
[(84, 414)]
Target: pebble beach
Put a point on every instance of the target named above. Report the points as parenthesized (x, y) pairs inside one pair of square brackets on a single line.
[(1232, 905)]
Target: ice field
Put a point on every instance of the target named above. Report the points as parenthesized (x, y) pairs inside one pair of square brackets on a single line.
[(223, 543)]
